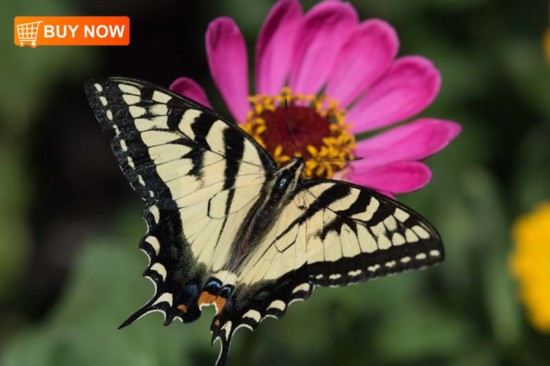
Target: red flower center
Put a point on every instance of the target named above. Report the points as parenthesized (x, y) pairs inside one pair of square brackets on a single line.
[(294, 128), (309, 126)]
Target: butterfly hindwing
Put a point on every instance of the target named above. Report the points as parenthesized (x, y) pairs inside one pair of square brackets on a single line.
[(176, 275), (251, 304)]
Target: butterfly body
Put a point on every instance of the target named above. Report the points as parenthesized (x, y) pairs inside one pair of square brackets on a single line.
[(277, 193), (227, 227)]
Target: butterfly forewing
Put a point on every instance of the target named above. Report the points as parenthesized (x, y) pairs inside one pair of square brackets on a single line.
[(355, 234), (163, 141), (341, 233)]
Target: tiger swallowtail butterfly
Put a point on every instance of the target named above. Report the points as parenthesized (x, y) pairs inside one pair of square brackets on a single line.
[(227, 227)]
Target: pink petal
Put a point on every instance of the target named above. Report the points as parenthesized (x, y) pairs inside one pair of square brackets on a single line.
[(410, 86), (413, 141), (191, 89), (227, 59), (364, 58), (400, 177), (274, 49), (324, 29)]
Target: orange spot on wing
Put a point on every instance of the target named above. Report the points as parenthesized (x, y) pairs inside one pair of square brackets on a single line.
[(182, 308), (220, 303), (206, 298), (217, 323)]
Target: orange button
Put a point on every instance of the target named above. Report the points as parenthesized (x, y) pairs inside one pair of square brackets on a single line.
[(71, 31)]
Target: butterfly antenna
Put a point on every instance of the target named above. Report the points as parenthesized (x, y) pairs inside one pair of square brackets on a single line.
[(336, 160), (289, 127)]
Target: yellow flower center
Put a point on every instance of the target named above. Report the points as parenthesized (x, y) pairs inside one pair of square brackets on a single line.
[(310, 126)]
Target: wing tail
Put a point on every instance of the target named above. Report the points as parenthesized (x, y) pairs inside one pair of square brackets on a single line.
[(224, 335), (135, 316)]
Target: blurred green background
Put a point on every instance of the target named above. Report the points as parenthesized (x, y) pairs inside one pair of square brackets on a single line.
[(69, 222)]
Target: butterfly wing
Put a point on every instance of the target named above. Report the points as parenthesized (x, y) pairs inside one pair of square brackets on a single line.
[(355, 234), (199, 175), (331, 234)]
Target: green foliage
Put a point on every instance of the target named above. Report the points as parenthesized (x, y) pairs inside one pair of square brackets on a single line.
[(103, 290), (13, 199), (25, 78)]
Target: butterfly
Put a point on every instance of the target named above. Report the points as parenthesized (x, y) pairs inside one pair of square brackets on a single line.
[(227, 227)]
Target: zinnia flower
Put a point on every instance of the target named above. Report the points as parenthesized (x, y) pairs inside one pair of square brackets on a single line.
[(322, 79), (530, 264)]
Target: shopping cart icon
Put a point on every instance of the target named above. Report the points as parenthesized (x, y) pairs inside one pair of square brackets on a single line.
[(27, 33)]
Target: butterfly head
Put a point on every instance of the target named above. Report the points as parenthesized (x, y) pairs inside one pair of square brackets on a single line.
[(287, 178)]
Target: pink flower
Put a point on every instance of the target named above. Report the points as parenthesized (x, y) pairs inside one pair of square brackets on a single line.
[(322, 78)]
